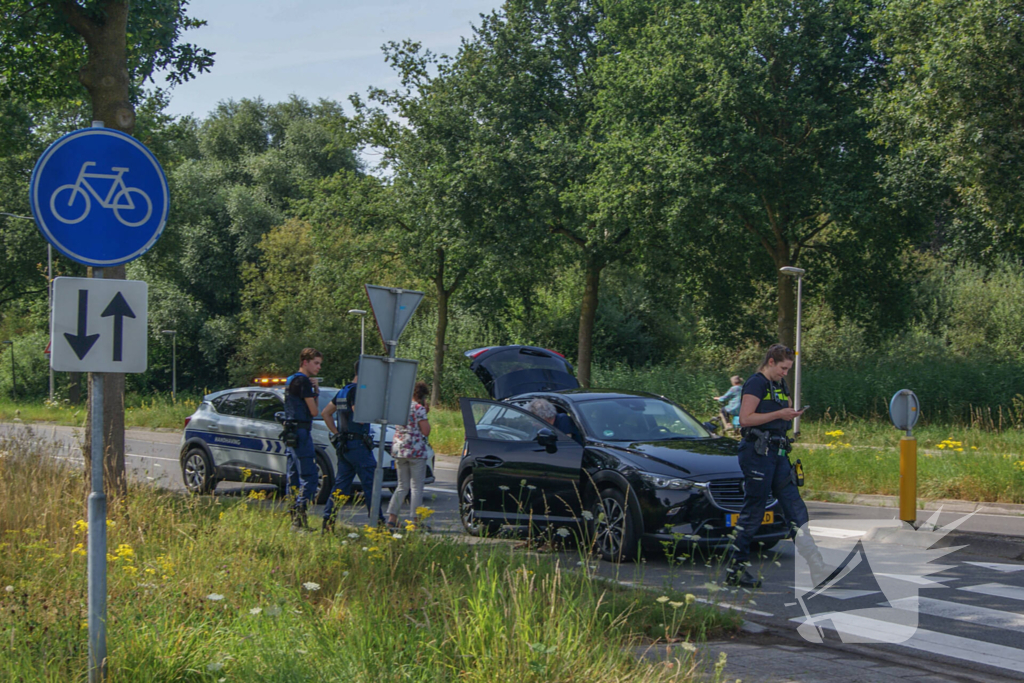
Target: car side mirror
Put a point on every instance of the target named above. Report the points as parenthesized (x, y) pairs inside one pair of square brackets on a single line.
[(547, 438), (711, 427)]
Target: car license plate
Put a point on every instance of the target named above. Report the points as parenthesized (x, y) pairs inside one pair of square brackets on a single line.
[(769, 518)]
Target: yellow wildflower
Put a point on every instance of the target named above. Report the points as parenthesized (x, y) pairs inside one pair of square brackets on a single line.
[(81, 526), (78, 550), (130, 570)]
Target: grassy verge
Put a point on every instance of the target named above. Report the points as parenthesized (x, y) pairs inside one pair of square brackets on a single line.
[(204, 589), (150, 412)]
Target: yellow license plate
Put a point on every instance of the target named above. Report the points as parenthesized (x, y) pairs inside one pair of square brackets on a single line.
[(769, 518)]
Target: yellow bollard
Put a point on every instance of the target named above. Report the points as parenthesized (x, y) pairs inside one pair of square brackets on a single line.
[(908, 479)]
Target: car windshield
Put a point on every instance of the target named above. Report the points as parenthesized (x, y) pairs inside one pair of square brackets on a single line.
[(638, 418)]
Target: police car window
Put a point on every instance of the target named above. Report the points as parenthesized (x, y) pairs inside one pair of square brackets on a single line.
[(265, 405), (236, 404), (505, 423)]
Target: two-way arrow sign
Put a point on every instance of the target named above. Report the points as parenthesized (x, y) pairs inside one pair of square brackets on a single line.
[(114, 346)]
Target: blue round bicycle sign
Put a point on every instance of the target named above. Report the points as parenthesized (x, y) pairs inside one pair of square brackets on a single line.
[(99, 197)]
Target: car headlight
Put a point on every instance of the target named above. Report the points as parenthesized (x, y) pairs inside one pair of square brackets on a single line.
[(660, 481)]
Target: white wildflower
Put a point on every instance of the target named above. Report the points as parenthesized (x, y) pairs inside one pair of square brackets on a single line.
[(353, 535), (676, 605), (397, 536), (9, 589), (216, 597), (255, 610), (588, 515), (663, 599), (215, 666), (689, 647), (310, 586), (503, 488), (563, 532)]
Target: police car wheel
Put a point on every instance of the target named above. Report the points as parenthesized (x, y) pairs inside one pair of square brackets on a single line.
[(614, 530), (197, 471), (324, 481)]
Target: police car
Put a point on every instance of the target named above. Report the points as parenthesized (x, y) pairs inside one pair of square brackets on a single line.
[(234, 436)]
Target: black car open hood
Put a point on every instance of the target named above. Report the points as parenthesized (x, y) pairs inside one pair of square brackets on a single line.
[(697, 458), (508, 371)]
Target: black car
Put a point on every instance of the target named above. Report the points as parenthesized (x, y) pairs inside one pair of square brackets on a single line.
[(647, 471)]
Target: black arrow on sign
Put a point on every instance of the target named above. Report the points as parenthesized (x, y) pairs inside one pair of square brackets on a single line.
[(81, 343), (120, 309)]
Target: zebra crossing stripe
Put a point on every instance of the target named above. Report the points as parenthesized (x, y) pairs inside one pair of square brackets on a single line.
[(966, 649), (999, 566), (971, 614), (999, 590)]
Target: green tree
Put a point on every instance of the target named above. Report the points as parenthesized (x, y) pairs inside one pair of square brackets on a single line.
[(953, 111), (250, 163), (738, 123)]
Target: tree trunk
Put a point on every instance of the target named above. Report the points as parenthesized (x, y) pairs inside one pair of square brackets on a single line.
[(440, 333), (105, 76), (787, 305), (588, 314)]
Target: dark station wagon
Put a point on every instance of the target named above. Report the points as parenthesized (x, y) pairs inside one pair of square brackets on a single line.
[(645, 473)]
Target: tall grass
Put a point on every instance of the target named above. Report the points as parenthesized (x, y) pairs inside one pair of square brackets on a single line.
[(203, 589)]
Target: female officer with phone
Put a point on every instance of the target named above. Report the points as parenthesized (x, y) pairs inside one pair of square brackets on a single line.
[(765, 417)]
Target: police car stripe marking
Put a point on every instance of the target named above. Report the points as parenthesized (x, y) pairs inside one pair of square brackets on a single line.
[(998, 590), (971, 614), (967, 649)]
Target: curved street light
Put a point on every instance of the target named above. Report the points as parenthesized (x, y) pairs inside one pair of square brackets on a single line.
[(798, 273)]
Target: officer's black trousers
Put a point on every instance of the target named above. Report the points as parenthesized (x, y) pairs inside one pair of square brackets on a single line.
[(765, 475)]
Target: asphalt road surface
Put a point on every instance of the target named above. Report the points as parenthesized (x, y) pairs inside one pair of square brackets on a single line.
[(967, 616)]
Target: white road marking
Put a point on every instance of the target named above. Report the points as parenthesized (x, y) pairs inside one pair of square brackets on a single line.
[(738, 608), (971, 614), (831, 532), (998, 590), (439, 489), (839, 593), (966, 649), (920, 580), (999, 567)]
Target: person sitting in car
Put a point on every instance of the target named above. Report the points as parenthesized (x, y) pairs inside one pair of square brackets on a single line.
[(544, 410)]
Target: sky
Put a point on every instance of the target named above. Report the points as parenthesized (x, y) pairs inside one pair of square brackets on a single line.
[(312, 48)]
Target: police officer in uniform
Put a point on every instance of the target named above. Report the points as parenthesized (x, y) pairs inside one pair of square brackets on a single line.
[(765, 418), (353, 444), (300, 405)]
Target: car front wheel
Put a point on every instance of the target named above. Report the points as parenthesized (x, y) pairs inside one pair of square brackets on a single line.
[(467, 512), (614, 530), (197, 471)]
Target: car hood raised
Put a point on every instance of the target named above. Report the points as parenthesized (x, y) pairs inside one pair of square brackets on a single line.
[(696, 458)]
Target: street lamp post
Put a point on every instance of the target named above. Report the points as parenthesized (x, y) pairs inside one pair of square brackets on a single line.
[(798, 273), (174, 363), (362, 329), (14, 395)]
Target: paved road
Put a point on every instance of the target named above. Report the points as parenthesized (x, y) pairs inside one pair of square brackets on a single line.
[(970, 612)]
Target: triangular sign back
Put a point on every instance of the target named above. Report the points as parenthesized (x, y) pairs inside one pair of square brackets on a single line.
[(392, 308)]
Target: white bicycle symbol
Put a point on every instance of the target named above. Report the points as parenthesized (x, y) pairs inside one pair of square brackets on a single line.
[(119, 198)]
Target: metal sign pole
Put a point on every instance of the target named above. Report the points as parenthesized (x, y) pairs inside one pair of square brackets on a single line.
[(49, 302), (378, 475), (97, 561)]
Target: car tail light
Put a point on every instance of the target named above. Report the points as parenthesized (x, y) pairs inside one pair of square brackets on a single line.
[(481, 351), (187, 420), (555, 352)]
